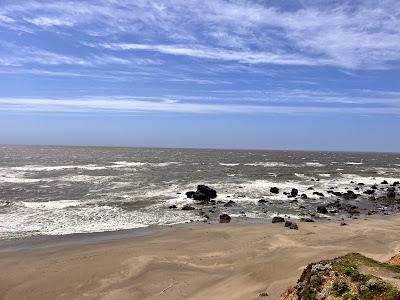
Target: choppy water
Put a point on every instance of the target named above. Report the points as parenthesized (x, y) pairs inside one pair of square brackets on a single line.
[(61, 190)]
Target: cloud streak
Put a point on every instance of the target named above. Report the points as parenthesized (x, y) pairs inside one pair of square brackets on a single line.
[(129, 105), (351, 35)]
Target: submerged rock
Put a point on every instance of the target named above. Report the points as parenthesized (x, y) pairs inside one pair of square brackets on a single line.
[(322, 209), (274, 190), (188, 207)]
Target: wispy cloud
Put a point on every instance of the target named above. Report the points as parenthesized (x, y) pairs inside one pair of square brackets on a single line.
[(129, 105), (351, 35)]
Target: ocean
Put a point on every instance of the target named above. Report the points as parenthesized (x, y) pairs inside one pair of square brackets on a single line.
[(56, 190)]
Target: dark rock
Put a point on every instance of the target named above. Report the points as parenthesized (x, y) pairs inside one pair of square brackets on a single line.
[(307, 220), (322, 209), (188, 207), (318, 193), (262, 201), (200, 196), (349, 195), (343, 224), (338, 194), (229, 203), (369, 192), (384, 182), (224, 218), (288, 223), (211, 193), (190, 194), (264, 294), (294, 192), (396, 183), (391, 194), (274, 190), (310, 188), (304, 196), (374, 187), (278, 220), (294, 226), (361, 183), (172, 207)]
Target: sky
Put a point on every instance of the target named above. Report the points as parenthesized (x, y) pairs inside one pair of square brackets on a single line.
[(261, 74)]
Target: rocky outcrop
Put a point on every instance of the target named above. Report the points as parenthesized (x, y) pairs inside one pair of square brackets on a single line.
[(352, 276)]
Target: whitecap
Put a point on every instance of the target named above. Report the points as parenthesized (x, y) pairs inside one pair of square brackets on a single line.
[(229, 165), (354, 163), (51, 204), (314, 164)]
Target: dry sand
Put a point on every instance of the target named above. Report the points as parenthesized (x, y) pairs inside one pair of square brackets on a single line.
[(221, 261)]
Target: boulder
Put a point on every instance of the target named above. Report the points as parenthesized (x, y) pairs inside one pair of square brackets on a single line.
[(262, 201), (278, 220), (294, 192), (384, 182), (200, 196), (304, 196), (294, 226), (172, 207), (274, 190), (224, 218), (211, 193)]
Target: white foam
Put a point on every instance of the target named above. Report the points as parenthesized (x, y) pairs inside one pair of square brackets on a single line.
[(229, 165), (27, 221), (269, 164), (325, 175), (354, 163), (51, 204), (314, 164)]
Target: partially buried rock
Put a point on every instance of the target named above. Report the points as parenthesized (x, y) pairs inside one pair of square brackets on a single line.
[(278, 220), (274, 190), (188, 207), (308, 220), (224, 218), (291, 225)]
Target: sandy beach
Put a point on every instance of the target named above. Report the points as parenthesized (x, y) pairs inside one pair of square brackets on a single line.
[(221, 261)]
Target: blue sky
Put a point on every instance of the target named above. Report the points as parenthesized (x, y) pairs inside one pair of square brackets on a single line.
[(293, 74)]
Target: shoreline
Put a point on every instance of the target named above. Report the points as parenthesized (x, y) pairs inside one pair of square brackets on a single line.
[(194, 261), (27, 243)]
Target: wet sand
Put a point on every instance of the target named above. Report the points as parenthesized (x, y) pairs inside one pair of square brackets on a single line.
[(220, 261)]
